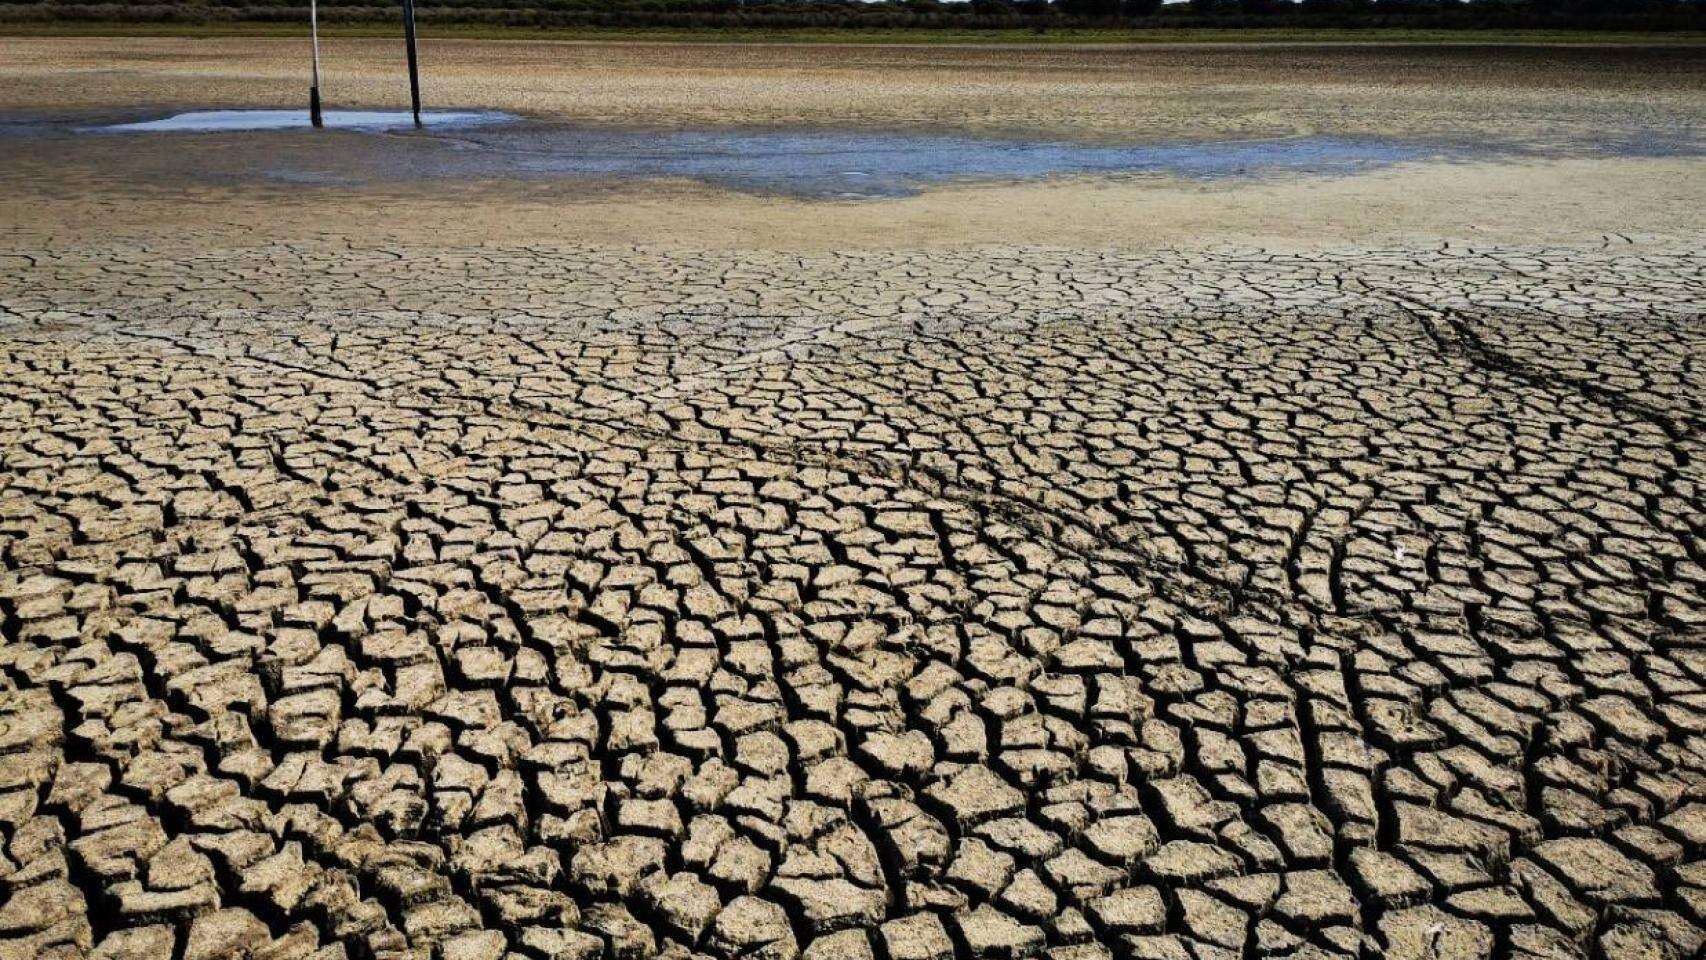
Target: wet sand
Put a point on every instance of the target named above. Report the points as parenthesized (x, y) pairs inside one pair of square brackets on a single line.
[(1556, 104), (1156, 92)]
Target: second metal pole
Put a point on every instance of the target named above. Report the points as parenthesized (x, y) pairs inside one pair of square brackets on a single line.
[(314, 84), (414, 72)]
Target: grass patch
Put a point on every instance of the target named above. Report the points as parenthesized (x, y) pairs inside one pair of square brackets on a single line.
[(472, 31)]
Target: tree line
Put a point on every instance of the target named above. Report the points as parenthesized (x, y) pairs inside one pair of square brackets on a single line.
[(925, 14)]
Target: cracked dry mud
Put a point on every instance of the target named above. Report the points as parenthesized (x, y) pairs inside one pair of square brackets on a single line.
[(559, 602)]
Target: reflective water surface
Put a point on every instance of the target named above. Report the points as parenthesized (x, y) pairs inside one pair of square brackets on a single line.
[(863, 163), (378, 146), (227, 121)]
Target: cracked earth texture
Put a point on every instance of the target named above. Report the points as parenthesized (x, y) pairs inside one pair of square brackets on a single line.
[(577, 602)]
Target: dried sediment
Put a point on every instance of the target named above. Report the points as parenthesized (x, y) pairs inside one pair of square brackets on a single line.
[(585, 601)]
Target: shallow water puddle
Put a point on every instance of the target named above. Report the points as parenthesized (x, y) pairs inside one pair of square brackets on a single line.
[(377, 146), (856, 163), (231, 121)]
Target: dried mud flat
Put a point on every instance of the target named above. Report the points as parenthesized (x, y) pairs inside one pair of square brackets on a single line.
[(1000, 603), (408, 597), (1153, 91)]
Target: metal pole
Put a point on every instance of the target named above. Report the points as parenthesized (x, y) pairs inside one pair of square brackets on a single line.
[(314, 85), (414, 72)]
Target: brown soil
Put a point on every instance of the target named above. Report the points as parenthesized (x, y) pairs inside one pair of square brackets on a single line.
[(1077, 570), (1540, 94)]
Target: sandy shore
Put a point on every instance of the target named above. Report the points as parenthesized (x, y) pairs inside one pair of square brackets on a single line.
[(1573, 201), (1152, 91), (1531, 95)]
